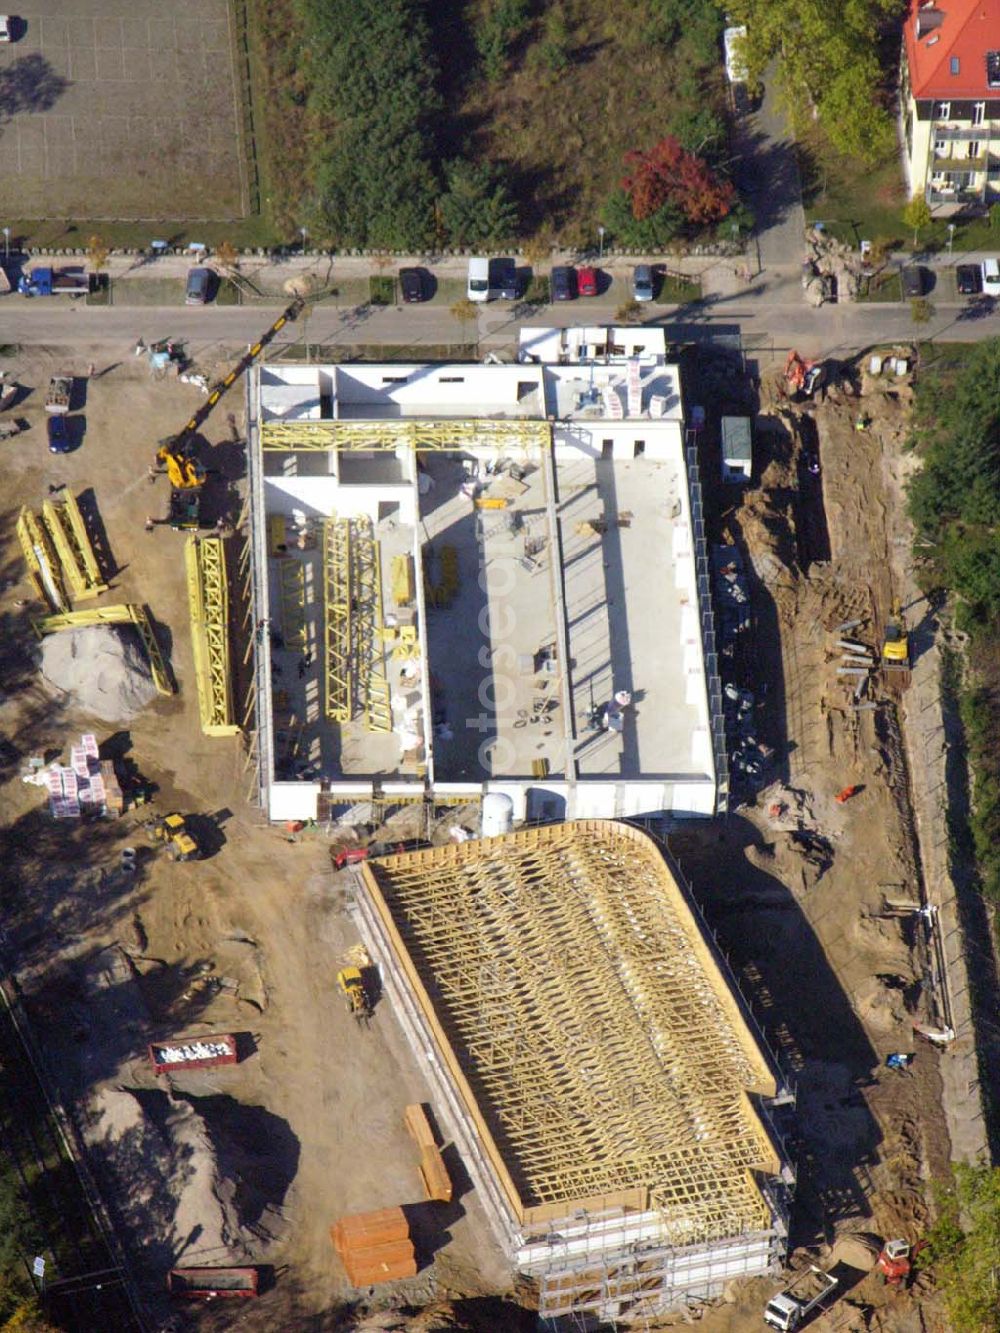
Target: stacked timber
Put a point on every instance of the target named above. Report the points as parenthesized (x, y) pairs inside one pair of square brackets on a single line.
[(433, 1172), (375, 1247)]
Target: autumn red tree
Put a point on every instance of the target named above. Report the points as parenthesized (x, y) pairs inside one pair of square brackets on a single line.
[(669, 173)]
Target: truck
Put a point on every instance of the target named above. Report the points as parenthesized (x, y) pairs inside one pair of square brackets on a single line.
[(167, 1057), (804, 1293), (59, 394), (54, 282), (209, 1284)]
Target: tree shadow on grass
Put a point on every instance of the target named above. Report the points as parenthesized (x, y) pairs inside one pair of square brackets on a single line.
[(29, 84)]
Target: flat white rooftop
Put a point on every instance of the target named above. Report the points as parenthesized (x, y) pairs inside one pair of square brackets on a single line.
[(514, 610)]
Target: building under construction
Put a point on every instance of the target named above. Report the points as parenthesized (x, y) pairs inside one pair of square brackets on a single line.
[(592, 1057), (472, 579)]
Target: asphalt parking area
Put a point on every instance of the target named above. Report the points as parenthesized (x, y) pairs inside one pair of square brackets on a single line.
[(120, 110)]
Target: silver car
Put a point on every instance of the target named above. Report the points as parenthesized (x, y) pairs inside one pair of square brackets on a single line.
[(642, 282)]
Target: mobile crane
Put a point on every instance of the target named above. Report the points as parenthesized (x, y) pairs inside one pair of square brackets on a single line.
[(184, 469)]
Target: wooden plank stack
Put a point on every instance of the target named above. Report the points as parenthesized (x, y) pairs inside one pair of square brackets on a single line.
[(433, 1172), (375, 1247)]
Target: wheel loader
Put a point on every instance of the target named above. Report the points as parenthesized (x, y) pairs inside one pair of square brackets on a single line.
[(173, 830)]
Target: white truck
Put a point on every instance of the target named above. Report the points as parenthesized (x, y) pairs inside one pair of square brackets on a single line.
[(803, 1294)]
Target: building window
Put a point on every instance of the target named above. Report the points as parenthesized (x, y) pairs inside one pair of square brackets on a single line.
[(973, 148), (993, 68), (942, 111), (978, 113), (940, 147), (955, 64)]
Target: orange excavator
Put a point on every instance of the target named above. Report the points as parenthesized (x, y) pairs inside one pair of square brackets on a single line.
[(802, 376), (895, 1263)]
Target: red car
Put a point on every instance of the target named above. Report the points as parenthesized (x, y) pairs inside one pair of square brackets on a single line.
[(587, 281)]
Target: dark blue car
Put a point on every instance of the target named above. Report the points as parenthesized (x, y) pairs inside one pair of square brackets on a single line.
[(59, 439)]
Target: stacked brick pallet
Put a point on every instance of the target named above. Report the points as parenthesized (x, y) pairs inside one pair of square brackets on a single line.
[(375, 1247)]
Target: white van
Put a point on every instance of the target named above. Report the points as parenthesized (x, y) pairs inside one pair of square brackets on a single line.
[(479, 279), (991, 277)]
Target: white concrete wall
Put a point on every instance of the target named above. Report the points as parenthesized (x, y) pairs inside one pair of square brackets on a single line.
[(432, 389), (292, 800), (321, 497), (662, 439)]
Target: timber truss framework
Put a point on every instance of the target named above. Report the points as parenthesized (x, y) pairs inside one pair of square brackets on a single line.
[(585, 1022)]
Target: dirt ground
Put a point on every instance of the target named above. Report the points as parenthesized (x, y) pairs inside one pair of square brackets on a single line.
[(794, 883), (254, 1161), (257, 1161)]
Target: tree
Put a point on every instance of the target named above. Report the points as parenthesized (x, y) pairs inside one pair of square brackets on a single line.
[(668, 173), (826, 63), (477, 206), (628, 312), (465, 311), (921, 310), (964, 1250), (226, 255), (496, 32), (917, 215), (97, 253)]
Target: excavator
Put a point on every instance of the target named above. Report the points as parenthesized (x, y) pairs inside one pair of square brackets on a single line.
[(895, 1262), (896, 641), (802, 376)]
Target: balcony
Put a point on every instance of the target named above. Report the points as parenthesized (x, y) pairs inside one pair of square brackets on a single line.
[(952, 196), (961, 165), (955, 135)]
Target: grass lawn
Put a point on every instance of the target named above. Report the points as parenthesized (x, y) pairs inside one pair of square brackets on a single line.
[(676, 290), (885, 286), (855, 202), (382, 289)]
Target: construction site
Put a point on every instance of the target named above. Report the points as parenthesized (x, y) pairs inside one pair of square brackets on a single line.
[(274, 661), (454, 594)]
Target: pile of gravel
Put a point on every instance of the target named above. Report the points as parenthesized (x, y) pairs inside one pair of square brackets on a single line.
[(102, 669)]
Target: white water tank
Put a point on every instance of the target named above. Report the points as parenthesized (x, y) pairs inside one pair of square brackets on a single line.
[(498, 814)]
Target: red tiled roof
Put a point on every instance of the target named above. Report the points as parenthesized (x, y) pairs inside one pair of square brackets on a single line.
[(951, 30)]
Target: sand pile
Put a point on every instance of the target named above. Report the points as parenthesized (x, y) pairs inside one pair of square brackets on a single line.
[(177, 1197), (102, 668)]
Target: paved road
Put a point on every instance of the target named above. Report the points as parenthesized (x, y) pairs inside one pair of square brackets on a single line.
[(768, 176), (764, 322)]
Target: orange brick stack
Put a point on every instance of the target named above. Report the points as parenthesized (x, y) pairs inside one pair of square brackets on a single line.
[(375, 1247)]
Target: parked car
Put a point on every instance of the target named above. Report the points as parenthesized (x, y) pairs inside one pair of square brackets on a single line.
[(504, 280), (412, 285), (59, 436), (969, 279), (914, 279), (991, 276), (562, 286), (642, 282), (199, 286), (586, 281), (478, 287)]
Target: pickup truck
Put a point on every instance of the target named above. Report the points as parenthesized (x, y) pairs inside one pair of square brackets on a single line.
[(54, 282), (59, 394), (809, 1288)]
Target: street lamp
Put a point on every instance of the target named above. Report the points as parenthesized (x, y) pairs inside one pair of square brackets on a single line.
[(951, 237), (600, 243), (6, 242), (303, 232)]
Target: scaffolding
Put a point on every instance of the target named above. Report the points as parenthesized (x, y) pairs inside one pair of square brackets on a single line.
[(585, 1026), (69, 534), (423, 436), (43, 564), (337, 617), (129, 614), (208, 605)]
